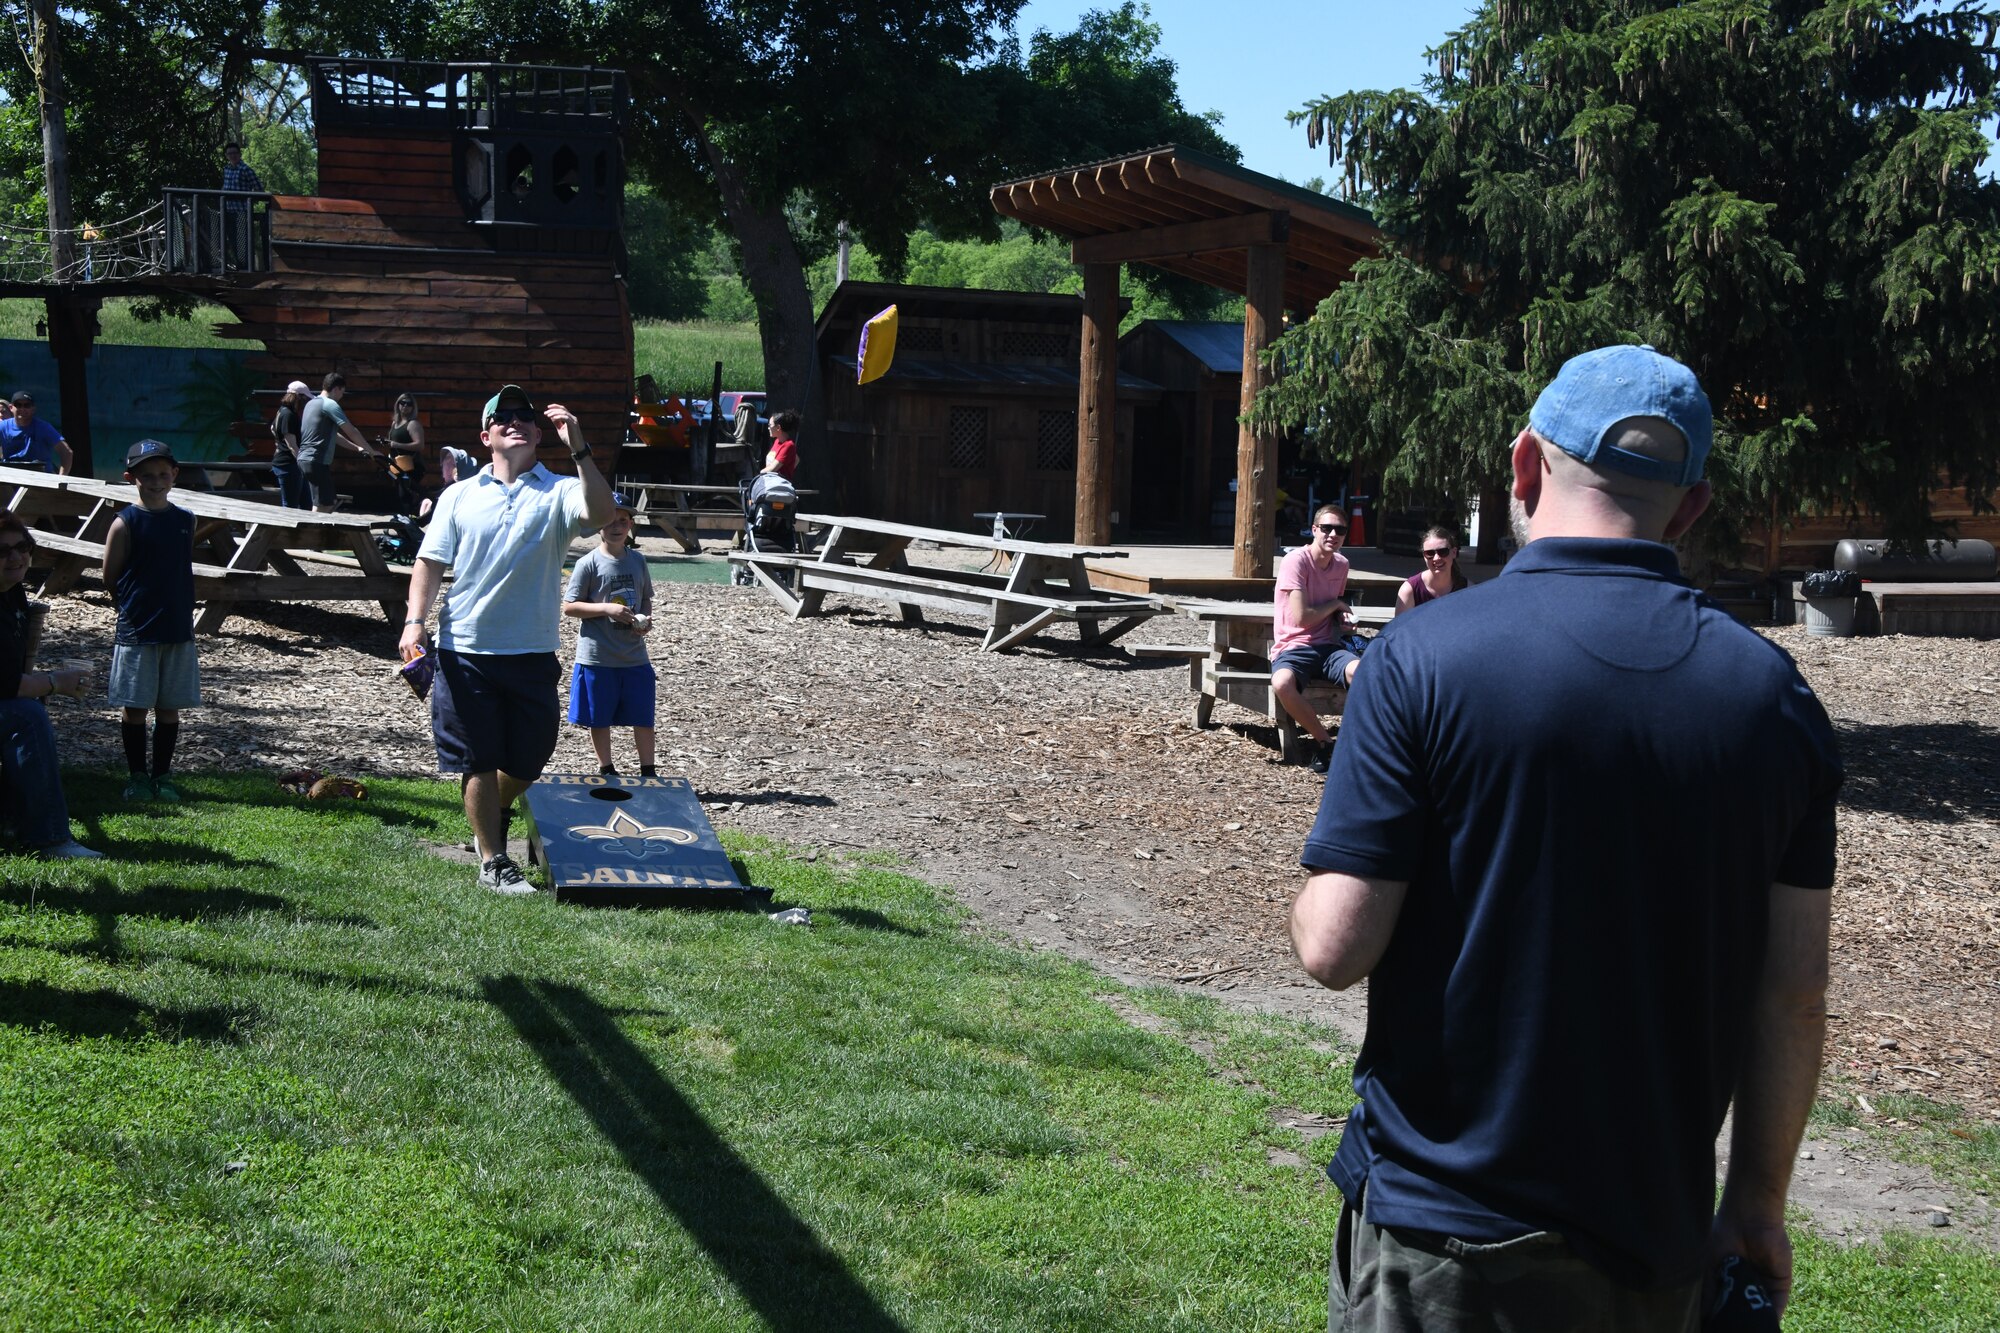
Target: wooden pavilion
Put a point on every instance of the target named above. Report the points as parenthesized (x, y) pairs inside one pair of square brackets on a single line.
[(1282, 247)]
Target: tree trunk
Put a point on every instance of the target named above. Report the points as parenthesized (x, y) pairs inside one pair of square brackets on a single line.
[(46, 27), (776, 278)]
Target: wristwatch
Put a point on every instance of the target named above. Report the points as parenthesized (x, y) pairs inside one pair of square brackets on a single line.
[(578, 455), (413, 622)]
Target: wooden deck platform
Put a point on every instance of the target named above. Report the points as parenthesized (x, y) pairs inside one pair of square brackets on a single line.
[(1204, 571)]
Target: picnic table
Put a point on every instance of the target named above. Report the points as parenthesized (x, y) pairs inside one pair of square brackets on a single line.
[(243, 476), (245, 551), (866, 557), (680, 510), (1234, 663)]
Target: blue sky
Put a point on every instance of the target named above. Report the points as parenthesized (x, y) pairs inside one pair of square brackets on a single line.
[(1254, 60)]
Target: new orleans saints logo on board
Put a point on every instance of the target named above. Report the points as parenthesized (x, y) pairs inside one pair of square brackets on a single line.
[(623, 833)]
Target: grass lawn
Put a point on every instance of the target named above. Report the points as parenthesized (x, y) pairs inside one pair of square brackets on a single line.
[(18, 317), (277, 1065), (681, 357)]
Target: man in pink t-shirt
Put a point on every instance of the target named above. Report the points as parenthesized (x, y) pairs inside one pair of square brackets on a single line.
[(1312, 635)]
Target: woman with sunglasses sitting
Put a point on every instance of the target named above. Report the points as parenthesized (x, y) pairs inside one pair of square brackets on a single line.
[(1439, 575), (34, 800)]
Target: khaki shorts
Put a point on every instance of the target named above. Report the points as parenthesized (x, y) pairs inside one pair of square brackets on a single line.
[(155, 675)]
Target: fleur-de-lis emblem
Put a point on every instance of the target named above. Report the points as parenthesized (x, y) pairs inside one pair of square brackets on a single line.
[(629, 836)]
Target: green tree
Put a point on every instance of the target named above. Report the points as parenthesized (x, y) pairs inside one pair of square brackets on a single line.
[(665, 252), (1785, 194), (778, 119)]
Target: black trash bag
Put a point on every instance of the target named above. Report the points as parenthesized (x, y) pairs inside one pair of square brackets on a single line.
[(1832, 583)]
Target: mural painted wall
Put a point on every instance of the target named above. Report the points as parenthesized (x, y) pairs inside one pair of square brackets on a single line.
[(186, 396)]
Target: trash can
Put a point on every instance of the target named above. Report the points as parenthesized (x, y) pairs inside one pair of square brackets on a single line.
[(1830, 617), (1831, 595)]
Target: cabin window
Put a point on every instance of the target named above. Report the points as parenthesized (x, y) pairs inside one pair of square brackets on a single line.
[(920, 338), (965, 446), (567, 174), (520, 175), (1055, 441), (1035, 344)]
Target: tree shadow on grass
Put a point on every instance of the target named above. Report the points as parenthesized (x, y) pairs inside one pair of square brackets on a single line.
[(1938, 772), (105, 1013), (168, 902), (779, 1266)]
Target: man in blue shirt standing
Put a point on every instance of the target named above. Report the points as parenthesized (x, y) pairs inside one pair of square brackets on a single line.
[(503, 534), (1579, 836), (27, 441)]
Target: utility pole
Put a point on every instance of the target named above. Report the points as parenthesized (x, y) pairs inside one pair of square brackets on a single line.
[(72, 314)]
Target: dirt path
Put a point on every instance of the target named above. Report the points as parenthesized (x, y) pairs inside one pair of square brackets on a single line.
[(1069, 803)]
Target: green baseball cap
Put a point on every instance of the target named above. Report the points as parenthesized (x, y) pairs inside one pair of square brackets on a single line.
[(510, 395)]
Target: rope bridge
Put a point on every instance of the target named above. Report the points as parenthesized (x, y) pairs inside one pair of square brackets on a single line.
[(212, 232)]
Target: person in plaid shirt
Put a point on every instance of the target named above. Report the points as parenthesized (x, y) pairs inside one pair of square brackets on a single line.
[(237, 175)]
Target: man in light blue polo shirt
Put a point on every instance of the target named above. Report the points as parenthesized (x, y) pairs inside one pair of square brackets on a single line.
[(503, 534)]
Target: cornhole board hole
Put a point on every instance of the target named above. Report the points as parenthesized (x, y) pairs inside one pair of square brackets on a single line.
[(631, 842)]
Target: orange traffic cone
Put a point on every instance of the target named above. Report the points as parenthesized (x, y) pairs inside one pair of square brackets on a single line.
[(1357, 529)]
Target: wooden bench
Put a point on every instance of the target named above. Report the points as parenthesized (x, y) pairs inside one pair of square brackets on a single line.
[(243, 547), (1045, 582), (1234, 666), (681, 512)]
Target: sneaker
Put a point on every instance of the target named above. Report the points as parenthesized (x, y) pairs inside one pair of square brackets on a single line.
[(1322, 758), (501, 875), (140, 788), (69, 851), (164, 790)]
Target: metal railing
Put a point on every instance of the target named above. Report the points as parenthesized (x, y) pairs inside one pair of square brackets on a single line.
[(215, 232)]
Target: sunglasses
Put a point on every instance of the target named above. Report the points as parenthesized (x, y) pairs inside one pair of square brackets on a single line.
[(15, 548), (1331, 527), (507, 416), (1437, 553)]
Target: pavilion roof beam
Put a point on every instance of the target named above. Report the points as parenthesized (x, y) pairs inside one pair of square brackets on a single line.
[(1182, 240)]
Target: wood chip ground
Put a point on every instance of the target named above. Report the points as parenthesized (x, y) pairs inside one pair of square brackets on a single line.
[(1068, 800)]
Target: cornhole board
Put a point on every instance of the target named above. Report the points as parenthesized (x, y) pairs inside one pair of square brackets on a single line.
[(631, 842)]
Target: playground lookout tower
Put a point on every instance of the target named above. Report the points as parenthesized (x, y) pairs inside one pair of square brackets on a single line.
[(465, 233)]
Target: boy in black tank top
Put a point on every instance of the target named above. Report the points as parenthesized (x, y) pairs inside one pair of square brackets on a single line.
[(149, 566)]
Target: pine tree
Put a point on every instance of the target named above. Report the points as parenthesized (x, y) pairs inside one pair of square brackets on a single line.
[(1785, 194)]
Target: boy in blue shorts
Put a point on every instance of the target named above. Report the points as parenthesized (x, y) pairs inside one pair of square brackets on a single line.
[(611, 595), (149, 566)]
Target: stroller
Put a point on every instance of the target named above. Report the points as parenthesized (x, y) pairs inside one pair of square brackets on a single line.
[(770, 510), (405, 534)]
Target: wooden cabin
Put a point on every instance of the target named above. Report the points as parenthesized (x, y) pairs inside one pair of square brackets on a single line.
[(977, 412), (1188, 436), (466, 234)]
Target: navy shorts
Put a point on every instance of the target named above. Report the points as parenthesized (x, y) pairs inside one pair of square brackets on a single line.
[(602, 696), (1321, 661), (496, 712)]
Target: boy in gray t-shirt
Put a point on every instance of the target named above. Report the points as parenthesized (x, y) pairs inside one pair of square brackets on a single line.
[(611, 595)]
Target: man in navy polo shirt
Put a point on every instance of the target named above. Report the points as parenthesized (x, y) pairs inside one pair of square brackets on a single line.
[(1579, 836), (504, 534)]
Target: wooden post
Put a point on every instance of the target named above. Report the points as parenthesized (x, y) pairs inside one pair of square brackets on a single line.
[(1257, 450), (72, 337), (1097, 405)]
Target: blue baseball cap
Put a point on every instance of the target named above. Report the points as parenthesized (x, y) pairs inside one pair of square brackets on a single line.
[(146, 449), (620, 500), (1597, 390)]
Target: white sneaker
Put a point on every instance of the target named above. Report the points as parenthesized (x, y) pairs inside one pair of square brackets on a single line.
[(69, 851), (501, 875)]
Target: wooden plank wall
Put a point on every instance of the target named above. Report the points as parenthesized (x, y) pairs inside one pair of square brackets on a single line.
[(397, 291), (1808, 542)]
